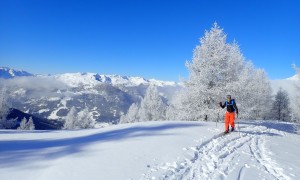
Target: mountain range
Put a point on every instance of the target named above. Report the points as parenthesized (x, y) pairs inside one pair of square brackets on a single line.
[(51, 96), (106, 96)]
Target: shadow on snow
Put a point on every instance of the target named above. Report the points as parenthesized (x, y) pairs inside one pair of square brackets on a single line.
[(16, 152), (280, 126)]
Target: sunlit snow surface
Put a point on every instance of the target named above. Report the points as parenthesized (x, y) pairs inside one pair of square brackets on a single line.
[(153, 150)]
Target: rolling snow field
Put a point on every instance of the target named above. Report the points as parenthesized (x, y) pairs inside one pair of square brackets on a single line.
[(153, 150)]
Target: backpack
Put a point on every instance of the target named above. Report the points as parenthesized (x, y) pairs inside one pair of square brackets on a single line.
[(231, 102)]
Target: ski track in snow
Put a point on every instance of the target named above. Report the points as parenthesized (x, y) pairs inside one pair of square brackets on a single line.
[(219, 156)]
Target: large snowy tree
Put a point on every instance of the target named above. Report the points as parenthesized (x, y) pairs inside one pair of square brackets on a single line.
[(217, 69), (295, 103)]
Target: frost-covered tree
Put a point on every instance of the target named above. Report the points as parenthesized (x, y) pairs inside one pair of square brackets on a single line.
[(4, 111), (132, 114), (79, 120), (255, 93), (26, 124), (213, 73), (217, 69), (295, 103), (85, 119), (3, 104), (151, 108), (281, 106), (23, 124), (30, 123), (71, 119)]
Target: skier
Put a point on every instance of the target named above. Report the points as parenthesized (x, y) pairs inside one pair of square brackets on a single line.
[(229, 116)]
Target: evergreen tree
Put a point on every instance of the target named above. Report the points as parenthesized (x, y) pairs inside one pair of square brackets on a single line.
[(281, 106), (151, 108), (132, 114), (295, 102), (79, 120), (30, 124), (255, 93), (71, 119), (27, 124), (23, 124), (3, 106), (85, 119), (4, 111)]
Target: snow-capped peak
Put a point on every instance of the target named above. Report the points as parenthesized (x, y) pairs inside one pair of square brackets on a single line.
[(7, 73), (89, 79), (92, 79)]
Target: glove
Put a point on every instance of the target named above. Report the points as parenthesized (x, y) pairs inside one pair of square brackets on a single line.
[(237, 112), (221, 104)]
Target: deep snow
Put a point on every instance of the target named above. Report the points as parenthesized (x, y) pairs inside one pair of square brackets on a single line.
[(153, 150)]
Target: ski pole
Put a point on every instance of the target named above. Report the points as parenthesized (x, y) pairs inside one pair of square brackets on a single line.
[(238, 125)]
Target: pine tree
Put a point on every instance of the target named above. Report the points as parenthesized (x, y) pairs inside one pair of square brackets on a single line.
[(281, 106), (23, 124), (71, 119), (79, 120), (296, 101), (151, 108), (85, 119), (30, 124), (3, 107), (4, 111), (27, 124), (255, 95), (132, 114)]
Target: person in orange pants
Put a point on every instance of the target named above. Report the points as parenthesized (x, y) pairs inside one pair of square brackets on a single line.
[(230, 113)]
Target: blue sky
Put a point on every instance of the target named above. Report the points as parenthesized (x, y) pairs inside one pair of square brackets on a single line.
[(149, 38)]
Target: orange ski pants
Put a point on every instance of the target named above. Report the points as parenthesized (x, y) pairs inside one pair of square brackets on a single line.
[(229, 119)]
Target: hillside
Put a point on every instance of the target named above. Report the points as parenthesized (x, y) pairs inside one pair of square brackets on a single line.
[(51, 96), (153, 150)]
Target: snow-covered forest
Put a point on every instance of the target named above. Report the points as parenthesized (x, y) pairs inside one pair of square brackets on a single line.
[(218, 68)]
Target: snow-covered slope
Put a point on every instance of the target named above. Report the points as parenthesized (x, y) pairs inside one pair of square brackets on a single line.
[(153, 150), (106, 96)]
